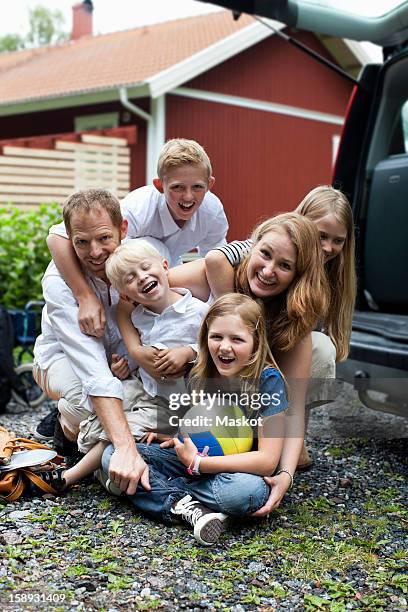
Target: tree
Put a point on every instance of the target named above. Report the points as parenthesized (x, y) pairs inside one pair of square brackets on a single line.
[(11, 42), (46, 28)]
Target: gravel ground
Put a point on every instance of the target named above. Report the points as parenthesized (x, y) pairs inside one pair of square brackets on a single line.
[(336, 543)]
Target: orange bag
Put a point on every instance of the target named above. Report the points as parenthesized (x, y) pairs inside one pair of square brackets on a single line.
[(6, 445), (14, 482)]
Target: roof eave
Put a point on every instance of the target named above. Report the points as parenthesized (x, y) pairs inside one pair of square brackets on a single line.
[(167, 80), (90, 97)]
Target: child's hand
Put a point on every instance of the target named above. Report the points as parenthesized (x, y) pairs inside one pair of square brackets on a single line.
[(186, 451), (120, 367), (155, 437), (146, 358), (167, 443), (171, 362), (91, 316)]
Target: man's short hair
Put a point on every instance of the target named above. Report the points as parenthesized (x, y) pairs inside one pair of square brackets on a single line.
[(181, 152), (124, 256), (89, 200)]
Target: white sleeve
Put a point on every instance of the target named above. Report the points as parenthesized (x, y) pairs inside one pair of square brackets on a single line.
[(157, 244), (59, 230), (132, 211), (86, 354), (217, 232)]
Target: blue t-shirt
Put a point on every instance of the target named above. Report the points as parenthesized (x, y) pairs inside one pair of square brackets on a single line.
[(272, 385), (270, 398)]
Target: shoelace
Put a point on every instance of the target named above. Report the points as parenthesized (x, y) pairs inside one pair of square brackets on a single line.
[(186, 508)]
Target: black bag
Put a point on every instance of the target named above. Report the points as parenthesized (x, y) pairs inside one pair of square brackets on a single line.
[(8, 377)]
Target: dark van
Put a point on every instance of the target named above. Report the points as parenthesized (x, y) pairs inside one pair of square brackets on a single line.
[(372, 169)]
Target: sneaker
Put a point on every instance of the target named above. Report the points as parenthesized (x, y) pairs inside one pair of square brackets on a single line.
[(106, 482), (64, 447), (45, 428), (53, 477), (208, 525)]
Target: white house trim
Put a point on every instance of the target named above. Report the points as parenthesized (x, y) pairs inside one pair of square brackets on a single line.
[(270, 107), (207, 58), (156, 135), (156, 128)]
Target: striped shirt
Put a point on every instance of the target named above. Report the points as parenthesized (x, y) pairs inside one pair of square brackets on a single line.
[(235, 251)]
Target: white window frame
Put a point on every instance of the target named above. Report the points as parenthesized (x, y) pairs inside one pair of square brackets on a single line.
[(102, 121)]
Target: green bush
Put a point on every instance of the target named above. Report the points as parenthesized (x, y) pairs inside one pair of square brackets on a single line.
[(24, 255)]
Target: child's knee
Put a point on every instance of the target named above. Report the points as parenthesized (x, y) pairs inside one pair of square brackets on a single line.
[(106, 457), (239, 494)]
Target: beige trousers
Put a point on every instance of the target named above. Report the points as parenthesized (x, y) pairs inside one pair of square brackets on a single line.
[(322, 386), (143, 414), (61, 384)]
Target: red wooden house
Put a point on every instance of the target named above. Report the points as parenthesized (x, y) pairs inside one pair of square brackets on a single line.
[(268, 115)]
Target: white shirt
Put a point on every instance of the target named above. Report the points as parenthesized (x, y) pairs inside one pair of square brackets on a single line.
[(61, 336), (147, 214), (177, 325)]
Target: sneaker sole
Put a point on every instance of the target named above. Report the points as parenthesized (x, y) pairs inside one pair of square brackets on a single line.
[(106, 483), (208, 528), (41, 437)]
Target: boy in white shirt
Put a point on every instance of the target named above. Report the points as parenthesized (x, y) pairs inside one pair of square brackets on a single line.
[(178, 209), (165, 318)]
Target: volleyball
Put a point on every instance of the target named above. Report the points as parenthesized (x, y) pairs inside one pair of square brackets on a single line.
[(222, 428)]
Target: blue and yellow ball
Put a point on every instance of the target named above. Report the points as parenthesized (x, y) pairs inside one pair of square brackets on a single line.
[(221, 428)]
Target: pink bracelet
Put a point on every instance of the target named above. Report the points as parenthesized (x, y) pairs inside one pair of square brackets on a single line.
[(194, 467)]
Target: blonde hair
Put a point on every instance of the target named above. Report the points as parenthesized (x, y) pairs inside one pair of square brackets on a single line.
[(293, 314), (126, 254), (181, 152), (341, 274), (253, 317), (90, 200)]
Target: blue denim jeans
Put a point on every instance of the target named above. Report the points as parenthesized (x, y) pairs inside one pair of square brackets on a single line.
[(234, 494)]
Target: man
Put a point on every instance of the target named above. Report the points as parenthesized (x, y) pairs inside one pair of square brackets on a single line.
[(74, 368)]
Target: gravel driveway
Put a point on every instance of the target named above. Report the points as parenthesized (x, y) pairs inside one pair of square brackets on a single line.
[(338, 542)]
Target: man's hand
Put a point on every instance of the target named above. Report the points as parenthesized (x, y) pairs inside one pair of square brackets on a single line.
[(120, 367), (172, 361), (91, 316), (127, 468), (279, 485)]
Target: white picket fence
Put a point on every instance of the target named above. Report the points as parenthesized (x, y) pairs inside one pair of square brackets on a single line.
[(30, 176)]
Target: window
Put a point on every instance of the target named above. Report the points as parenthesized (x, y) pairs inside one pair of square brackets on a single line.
[(96, 122)]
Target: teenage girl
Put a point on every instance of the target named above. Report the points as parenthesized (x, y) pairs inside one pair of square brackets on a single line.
[(205, 490), (330, 210)]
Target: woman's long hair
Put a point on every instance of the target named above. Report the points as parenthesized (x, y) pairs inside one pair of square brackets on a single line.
[(341, 274), (253, 317), (295, 313)]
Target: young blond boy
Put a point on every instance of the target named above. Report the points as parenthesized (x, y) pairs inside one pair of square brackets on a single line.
[(168, 319), (179, 208)]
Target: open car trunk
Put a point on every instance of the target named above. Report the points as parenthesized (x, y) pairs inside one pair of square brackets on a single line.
[(372, 170)]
